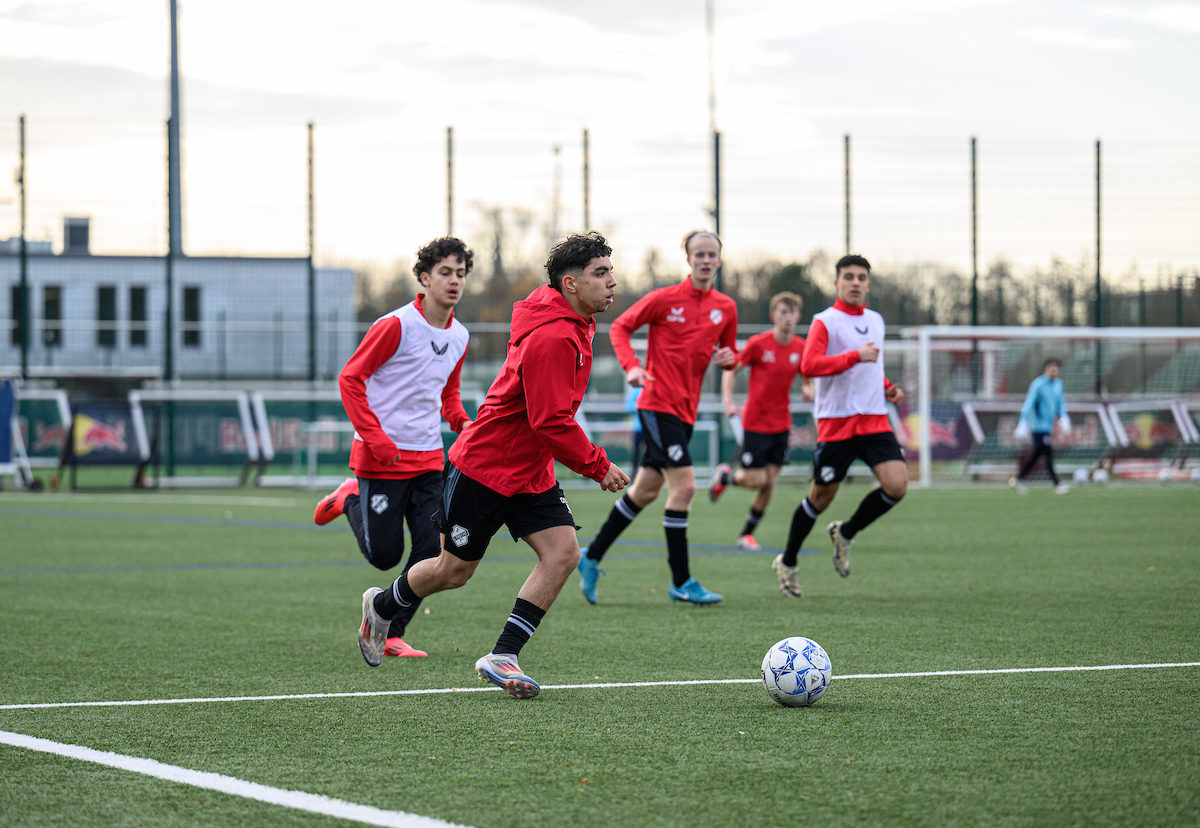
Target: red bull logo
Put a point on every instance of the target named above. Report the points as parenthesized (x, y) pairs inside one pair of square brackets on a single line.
[(92, 434), (48, 437), (1145, 431)]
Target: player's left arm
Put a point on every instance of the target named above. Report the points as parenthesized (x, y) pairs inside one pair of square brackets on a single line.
[(726, 355), (894, 393), (452, 408), (549, 398)]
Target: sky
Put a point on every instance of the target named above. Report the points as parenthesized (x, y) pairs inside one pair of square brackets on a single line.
[(911, 81)]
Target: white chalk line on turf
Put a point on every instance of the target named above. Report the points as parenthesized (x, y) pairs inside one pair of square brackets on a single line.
[(296, 800), (590, 686)]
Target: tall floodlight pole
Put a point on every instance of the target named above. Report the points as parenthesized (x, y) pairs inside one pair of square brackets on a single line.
[(312, 270), (710, 30), (974, 238), (175, 186), (449, 181), (23, 291), (169, 311), (846, 165), (587, 182), (1099, 286)]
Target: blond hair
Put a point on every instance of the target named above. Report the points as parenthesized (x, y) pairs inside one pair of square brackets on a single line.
[(785, 298), (688, 239)]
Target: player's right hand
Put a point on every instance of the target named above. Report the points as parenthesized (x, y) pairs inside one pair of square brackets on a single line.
[(868, 352), (614, 480), (637, 377)]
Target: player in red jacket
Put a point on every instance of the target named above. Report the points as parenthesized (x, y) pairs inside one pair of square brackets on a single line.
[(691, 325), (844, 355), (401, 381), (501, 469), (766, 420)]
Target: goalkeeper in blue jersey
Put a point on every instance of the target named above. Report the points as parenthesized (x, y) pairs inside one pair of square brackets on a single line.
[(1043, 405)]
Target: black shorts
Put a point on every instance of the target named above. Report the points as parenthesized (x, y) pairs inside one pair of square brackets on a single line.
[(666, 439), (472, 513), (378, 513), (1042, 442), (831, 460), (761, 450)]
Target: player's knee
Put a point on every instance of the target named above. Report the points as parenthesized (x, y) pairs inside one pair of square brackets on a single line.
[(820, 500), (896, 490), (456, 573), (685, 492), (568, 559)]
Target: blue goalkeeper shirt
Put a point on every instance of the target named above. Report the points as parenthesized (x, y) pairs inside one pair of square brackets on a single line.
[(1043, 404)]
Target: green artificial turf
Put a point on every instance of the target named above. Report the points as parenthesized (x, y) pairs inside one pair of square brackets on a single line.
[(972, 578)]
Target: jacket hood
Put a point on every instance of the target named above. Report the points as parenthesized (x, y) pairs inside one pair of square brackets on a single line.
[(543, 306)]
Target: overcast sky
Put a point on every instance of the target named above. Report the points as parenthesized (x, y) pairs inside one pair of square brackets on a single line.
[(789, 75)]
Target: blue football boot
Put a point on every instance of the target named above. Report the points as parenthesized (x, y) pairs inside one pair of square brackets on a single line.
[(589, 573), (692, 592)]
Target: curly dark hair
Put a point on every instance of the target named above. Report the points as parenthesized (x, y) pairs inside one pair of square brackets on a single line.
[(573, 254), (849, 260), (438, 249)]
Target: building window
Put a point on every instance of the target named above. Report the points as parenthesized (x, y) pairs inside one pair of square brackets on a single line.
[(191, 317), (106, 316), (52, 315), (16, 315), (137, 316)]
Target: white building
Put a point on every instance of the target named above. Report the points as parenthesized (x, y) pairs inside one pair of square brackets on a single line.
[(236, 318)]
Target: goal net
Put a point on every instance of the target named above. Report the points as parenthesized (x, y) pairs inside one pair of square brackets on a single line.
[(1132, 395)]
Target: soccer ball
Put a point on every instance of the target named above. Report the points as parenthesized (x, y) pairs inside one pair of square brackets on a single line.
[(1080, 476), (796, 672), (1100, 476)]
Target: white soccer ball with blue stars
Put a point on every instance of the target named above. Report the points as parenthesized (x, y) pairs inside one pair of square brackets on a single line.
[(796, 672)]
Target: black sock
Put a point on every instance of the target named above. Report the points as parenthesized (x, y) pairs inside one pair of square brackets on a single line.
[(802, 524), (389, 602), (675, 526), (1050, 466), (752, 520), (873, 506), (726, 478), (622, 514), (520, 626)]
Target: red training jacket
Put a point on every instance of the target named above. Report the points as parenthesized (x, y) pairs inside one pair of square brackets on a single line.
[(527, 420), (686, 325)]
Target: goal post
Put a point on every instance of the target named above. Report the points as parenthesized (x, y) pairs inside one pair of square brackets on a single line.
[(1132, 394)]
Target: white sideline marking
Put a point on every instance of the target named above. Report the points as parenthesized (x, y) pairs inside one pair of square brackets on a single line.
[(297, 800), (151, 499), (597, 685)]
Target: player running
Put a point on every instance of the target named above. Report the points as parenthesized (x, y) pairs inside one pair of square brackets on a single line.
[(766, 419), (501, 468), (844, 355), (396, 388), (1043, 405), (691, 325)]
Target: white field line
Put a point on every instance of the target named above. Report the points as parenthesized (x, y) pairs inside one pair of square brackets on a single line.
[(151, 499), (297, 800), (597, 685)]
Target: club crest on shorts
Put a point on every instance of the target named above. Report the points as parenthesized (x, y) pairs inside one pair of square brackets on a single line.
[(379, 503), (675, 452), (460, 535), (827, 474), (716, 316), (747, 458), (568, 505)]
